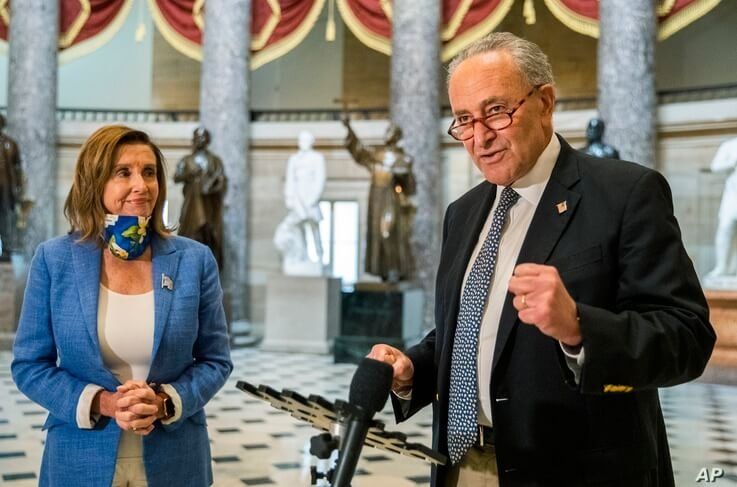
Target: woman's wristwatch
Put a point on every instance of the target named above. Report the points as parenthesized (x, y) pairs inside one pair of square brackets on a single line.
[(167, 403)]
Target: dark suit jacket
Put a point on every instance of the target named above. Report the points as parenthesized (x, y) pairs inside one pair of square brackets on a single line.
[(643, 316)]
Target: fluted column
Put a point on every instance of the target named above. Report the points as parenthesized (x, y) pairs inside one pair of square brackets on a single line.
[(415, 107), (224, 111), (32, 75), (626, 77)]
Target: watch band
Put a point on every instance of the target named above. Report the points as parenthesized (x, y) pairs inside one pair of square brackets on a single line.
[(168, 403)]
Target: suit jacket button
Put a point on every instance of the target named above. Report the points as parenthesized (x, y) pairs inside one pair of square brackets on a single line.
[(437, 397)]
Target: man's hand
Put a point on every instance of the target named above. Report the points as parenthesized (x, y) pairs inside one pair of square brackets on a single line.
[(542, 300), (404, 370)]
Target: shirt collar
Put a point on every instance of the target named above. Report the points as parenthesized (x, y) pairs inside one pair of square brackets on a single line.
[(531, 186)]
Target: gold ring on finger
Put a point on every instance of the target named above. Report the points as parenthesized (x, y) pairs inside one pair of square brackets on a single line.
[(524, 301)]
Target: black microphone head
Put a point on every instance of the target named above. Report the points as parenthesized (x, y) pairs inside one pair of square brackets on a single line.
[(370, 385)]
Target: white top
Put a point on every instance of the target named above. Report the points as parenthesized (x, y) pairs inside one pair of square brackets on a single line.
[(125, 328)]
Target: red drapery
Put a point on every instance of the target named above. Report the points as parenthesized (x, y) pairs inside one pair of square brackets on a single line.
[(84, 25), (463, 21), (277, 26), (673, 15)]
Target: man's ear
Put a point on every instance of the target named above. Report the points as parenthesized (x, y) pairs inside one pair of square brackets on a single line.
[(547, 95)]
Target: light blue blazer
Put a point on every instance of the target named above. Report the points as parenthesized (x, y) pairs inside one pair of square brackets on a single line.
[(57, 353)]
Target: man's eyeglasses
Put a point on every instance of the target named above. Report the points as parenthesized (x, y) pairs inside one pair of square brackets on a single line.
[(494, 121)]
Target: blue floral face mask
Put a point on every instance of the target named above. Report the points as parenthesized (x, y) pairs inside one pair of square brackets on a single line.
[(127, 236)]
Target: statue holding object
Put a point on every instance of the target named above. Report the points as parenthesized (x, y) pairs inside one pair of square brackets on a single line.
[(390, 206)]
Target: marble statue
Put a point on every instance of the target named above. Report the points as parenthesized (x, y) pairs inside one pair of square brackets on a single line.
[(11, 193), (298, 236), (205, 184), (595, 146), (725, 246), (390, 207)]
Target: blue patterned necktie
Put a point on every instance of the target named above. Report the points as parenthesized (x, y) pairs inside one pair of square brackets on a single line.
[(463, 401)]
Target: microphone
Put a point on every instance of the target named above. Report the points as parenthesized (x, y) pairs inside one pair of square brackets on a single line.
[(368, 393)]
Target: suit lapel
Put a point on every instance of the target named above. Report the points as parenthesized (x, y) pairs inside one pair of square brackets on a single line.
[(546, 228), (86, 257), (467, 231), (165, 263)]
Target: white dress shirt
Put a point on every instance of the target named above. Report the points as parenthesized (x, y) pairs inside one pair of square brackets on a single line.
[(530, 187)]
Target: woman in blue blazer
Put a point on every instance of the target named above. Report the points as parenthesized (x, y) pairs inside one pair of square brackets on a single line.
[(122, 334)]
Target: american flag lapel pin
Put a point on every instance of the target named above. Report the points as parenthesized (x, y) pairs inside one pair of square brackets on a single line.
[(166, 282), (562, 207)]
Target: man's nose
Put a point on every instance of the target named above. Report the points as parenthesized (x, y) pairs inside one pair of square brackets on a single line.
[(483, 136)]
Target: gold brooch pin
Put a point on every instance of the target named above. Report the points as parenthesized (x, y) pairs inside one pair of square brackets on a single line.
[(562, 207)]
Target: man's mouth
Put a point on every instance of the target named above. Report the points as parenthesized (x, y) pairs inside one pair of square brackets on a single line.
[(491, 157)]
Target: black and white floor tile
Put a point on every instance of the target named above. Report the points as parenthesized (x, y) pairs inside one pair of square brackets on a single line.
[(254, 444)]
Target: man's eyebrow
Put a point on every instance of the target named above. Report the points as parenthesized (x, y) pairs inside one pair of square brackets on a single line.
[(493, 99), (484, 103)]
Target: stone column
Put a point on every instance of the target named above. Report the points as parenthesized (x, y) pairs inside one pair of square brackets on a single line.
[(415, 107), (32, 73), (224, 111), (626, 77)]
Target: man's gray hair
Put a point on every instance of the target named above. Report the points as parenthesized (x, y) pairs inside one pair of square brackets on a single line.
[(531, 60)]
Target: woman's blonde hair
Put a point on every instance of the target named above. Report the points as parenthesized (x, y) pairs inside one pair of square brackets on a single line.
[(84, 207)]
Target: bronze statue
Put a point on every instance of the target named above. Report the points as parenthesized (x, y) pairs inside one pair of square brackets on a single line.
[(205, 184), (390, 209), (595, 146), (11, 193)]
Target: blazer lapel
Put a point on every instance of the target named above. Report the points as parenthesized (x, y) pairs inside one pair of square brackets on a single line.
[(546, 228), (468, 230), (86, 256), (164, 269)]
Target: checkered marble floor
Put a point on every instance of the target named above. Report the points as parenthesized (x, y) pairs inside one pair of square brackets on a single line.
[(254, 444)]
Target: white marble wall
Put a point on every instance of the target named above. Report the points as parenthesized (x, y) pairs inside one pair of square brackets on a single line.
[(689, 136)]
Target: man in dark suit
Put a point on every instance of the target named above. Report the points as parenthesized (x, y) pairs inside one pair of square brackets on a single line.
[(564, 299)]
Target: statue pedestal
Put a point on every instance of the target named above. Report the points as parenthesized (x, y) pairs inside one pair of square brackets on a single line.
[(378, 313), (302, 313), (722, 366), (721, 283), (8, 309)]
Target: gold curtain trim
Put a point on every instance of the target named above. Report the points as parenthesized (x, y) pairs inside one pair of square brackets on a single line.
[(177, 41), (67, 38), (664, 7), (92, 44), (5, 17), (258, 42), (370, 39), (386, 6), (476, 32), (199, 20), (289, 42), (682, 18), (455, 21), (572, 20), (5, 13)]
